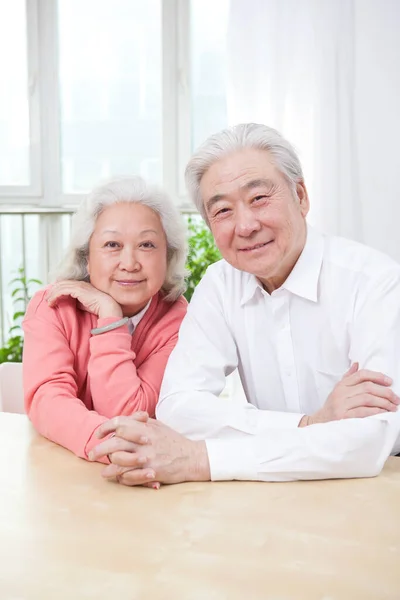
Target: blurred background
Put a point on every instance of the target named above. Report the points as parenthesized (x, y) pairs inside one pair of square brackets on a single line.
[(90, 89)]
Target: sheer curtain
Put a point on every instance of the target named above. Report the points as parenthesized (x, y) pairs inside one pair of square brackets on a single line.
[(326, 73)]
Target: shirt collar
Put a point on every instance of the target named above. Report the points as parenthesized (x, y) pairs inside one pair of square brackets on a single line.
[(135, 320), (304, 277)]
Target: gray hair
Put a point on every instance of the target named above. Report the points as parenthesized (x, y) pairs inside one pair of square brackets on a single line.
[(239, 137), (127, 189)]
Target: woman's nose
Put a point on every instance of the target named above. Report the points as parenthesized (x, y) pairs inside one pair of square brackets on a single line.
[(129, 260)]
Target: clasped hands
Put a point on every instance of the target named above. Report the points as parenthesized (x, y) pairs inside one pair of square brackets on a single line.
[(144, 451)]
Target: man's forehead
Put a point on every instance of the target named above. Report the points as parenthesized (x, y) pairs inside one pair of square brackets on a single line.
[(233, 173)]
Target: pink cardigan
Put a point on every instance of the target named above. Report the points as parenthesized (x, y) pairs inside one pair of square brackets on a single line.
[(74, 382)]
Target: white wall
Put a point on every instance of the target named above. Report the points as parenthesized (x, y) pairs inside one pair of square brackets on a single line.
[(377, 114)]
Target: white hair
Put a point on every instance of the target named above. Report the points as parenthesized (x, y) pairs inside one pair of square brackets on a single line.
[(233, 139), (127, 189)]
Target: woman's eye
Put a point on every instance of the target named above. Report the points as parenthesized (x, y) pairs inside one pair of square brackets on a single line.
[(111, 245), (147, 245), (260, 197)]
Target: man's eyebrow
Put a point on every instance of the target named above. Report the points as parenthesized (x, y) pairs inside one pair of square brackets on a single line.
[(213, 200), (250, 185), (255, 183)]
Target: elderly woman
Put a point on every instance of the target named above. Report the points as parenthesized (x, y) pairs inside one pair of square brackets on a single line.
[(97, 341)]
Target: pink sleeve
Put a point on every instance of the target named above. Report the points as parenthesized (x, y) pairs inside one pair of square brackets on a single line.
[(50, 387), (118, 387)]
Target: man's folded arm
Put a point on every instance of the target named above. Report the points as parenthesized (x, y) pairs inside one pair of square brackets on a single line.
[(339, 449), (196, 375)]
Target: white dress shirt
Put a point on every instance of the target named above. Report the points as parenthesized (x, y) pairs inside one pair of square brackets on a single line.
[(135, 320), (340, 304)]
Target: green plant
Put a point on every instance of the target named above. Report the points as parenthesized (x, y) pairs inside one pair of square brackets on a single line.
[(12, 350), (202, 253)]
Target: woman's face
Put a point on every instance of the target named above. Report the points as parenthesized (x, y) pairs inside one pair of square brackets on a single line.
[(128, 255)]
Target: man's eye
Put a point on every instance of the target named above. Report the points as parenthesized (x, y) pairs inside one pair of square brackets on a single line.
[(222, 211)]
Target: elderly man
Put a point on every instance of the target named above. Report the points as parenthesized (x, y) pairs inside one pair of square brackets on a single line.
[(311, 322)]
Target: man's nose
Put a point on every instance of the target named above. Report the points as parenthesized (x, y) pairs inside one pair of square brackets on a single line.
[(246, 222)]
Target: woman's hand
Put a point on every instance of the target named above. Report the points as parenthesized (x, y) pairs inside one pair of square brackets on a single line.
[(93, 300), (143, 452)]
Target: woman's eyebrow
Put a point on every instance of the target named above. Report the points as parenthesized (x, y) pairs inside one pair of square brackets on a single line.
[(149, 231)]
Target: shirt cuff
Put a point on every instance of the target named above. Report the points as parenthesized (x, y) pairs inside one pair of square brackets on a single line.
[(232, 459), (270, 419)]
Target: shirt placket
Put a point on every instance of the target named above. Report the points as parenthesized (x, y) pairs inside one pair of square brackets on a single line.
[(285, 350)]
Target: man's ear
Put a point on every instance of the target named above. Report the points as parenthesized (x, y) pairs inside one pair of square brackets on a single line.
[(302, 195)]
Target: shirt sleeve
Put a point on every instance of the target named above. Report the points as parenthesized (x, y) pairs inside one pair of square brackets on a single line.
[(196, 373), (339, 449), (50, 386), (244, 442), (117, 386), (375, 335)]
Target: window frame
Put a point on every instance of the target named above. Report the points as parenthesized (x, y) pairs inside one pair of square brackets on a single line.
[(44, 103), (20, 194)]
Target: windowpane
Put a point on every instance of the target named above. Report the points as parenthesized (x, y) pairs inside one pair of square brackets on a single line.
[(110, 89), (14, 101), (208, 57)]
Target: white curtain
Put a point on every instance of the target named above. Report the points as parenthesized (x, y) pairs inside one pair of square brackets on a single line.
[(326, 74)]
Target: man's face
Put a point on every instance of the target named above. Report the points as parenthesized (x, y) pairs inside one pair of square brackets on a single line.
[(257, 219)]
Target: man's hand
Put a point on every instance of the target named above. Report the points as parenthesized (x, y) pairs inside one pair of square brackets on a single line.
[(93, 300), (359, 394), (142, 452)]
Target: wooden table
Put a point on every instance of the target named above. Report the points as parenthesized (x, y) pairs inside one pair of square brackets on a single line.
[(65, 533)]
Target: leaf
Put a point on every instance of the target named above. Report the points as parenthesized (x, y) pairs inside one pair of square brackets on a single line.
[(16, 291), (13, 328), (18, 314), (202, 253)]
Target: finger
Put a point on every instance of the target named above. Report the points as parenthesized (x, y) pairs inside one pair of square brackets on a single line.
[(366, 375), (140, 415), (154, 484), (75, 289), (112, 425), (134, 431), (136, 476), (111, 446), (131, 460), (353, 369), (363, 411), (55, 295), (370, 401), (358, 392)]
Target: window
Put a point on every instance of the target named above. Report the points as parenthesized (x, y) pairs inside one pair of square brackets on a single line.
[(208, 68), (93, 89), (14, 101), (110, 69)]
